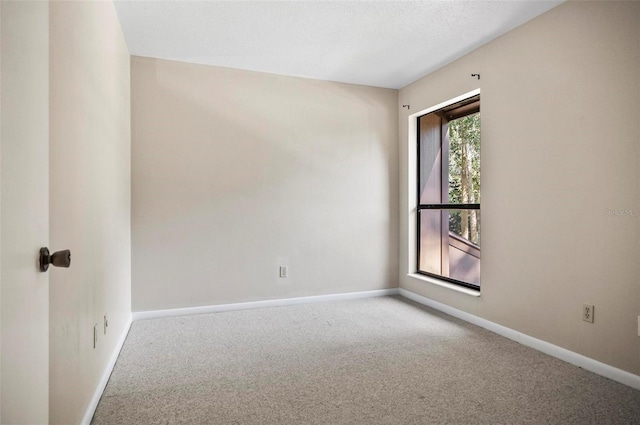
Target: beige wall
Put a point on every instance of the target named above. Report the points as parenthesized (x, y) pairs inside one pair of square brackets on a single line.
[(90, 198), (560, 147), (237, 172), (25, 219)]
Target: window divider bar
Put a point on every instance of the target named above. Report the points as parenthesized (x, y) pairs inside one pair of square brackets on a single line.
[(448, 207)]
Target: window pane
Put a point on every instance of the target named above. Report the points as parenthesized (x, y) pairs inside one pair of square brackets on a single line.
[(445, 253)]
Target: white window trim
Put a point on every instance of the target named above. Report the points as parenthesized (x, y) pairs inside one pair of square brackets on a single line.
[(412, 186)]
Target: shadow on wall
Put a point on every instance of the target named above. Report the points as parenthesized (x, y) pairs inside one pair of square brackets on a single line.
[(266, 166)]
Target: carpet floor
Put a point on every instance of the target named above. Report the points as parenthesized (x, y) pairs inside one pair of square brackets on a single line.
[(370, 361)]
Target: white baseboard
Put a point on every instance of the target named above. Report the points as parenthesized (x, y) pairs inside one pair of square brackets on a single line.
[(575, 359), (97, 394), (154, 314)]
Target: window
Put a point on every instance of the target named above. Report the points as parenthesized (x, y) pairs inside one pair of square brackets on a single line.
[(448, 198)]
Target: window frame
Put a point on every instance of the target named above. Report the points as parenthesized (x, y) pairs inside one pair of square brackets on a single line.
[(459, 107)]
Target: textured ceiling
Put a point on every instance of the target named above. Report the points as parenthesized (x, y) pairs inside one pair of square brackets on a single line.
[(376, 43)]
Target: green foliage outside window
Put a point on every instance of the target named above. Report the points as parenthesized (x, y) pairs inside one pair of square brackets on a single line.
[(464, 175)]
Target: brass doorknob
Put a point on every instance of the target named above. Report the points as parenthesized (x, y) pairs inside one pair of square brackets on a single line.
[(58, 259)]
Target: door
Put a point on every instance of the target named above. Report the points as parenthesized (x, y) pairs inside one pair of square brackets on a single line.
[(24, 212)]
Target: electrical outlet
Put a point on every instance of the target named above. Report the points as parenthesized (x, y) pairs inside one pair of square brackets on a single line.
[(587, 313), (106, 324), (283, 271), (95, 335)]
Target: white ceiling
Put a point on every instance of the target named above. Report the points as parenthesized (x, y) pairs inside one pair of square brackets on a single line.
[(376, 43)]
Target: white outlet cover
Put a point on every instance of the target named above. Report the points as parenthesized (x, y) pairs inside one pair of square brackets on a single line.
[(591, 309)]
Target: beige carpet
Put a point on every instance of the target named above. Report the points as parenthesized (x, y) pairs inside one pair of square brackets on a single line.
[(370, 361)]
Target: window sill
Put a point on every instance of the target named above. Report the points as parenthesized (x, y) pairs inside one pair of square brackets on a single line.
[(444, 284)]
